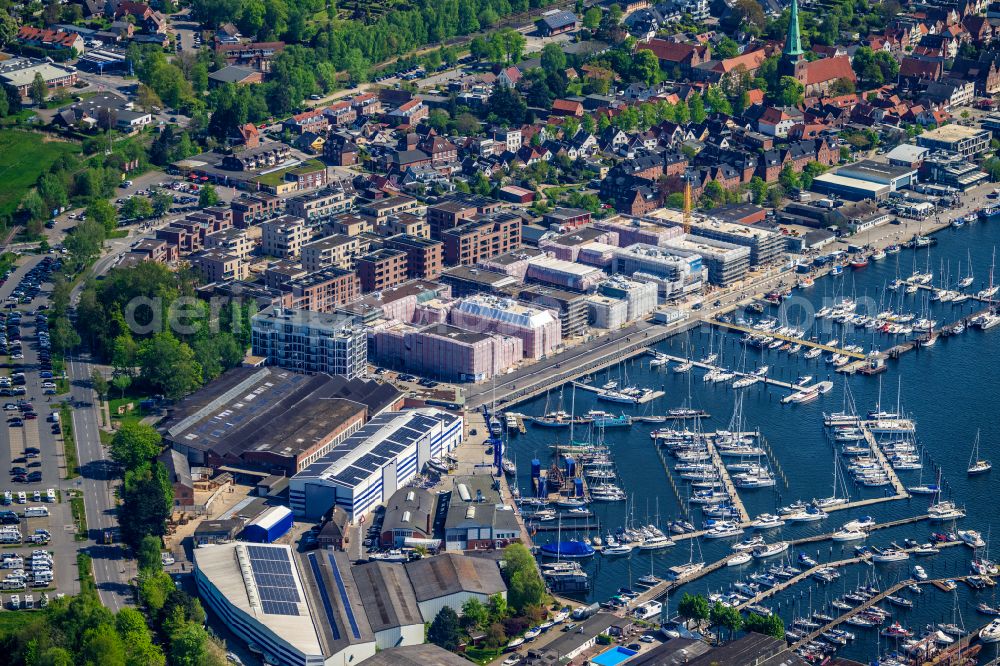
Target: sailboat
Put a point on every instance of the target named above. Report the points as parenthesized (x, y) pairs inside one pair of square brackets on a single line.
[(976, 465), (832, 500), (711, 357), (689, 568), (990, 291), (970, 278)]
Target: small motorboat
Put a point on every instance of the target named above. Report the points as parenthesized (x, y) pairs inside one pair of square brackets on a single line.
[(739, 559), (919, 573)]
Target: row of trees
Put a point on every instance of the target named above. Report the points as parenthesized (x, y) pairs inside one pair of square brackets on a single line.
[(695, 607), (145, 321)]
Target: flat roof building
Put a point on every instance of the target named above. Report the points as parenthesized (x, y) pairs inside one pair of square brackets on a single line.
[(675, 275), (298, 609), (726, 262), (271, 419), (310, 341), (446, 352), (853, 189), (368, 467), (894, 176), (538, 328), (966, 141), (765, 246)]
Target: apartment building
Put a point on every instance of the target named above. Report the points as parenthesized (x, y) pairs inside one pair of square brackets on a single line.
[(379, 210), (424, 257), (320, 205), (457, 210), (249, 209), (284, 236), (310, 341), (404, 223), (349, 225), (481, 239), (337, 250), (218, 266), (381, 269), (234, 241), (324, 290)]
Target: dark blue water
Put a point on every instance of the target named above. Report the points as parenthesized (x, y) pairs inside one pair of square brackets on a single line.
[(950, 390)]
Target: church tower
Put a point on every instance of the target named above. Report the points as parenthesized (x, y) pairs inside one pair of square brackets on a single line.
[(792, 61)]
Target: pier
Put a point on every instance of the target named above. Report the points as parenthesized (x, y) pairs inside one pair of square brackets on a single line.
[(786, 338), (727, 482), (740, 375), (660, 590), (868, 604), (897, 484), (649, 397)]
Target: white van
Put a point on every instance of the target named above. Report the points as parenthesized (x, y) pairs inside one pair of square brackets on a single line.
[(36, 511)]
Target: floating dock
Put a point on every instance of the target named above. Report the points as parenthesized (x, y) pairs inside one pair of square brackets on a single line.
[(786, 338)]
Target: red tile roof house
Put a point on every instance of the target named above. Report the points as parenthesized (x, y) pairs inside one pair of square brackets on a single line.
[(149, 19), (50, 39), (409, 113), (566, 107), (672, 54), (509, 77), (310, 121)]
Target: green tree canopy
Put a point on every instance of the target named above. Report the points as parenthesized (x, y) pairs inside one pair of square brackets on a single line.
[(135, 444), (444, 630)]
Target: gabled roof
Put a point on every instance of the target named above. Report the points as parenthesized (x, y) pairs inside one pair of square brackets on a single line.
[(829, 69)]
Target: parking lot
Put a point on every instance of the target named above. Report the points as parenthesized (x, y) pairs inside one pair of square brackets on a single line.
[(34, 518)]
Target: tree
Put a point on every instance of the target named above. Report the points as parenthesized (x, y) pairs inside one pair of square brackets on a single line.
[(169, 365), (524, 585), (137, 208), (592, 18), (101, 212), (749, 14), (38, 90), (208, 196), (725, 48), (508, 105), (875, 68), (790, 92), (553, 59), (148, 499), (148, 554), (135, 444), (788, 178), (475, 614), (645, 66), (187, 645), (146, 98), (497, 606), (444, 630), (161, 203), (842, 86), (696, 108), (102, 645), (507, 46), (759, 189), (717, 101), (726, 616), (34, 206), (693, 607), (771, 625), (495, 635), (121, 382), (100, 384), (992, 167)]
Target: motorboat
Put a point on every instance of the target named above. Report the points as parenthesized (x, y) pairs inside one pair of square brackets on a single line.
[(860, 524), (766, 521), (849, 535), (750, 544), (919, 573), (946, 510), (738, 559), (810, 515), (890, 555), (925, 549), (770, 550), (618, 549), (971, 538)]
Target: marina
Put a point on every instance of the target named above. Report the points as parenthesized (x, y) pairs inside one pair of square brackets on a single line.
[(911, 431)]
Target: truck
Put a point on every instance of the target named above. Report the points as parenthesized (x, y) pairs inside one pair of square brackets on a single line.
[(583, 612)]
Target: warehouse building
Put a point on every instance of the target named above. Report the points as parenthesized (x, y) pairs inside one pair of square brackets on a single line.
[(372, 464), (537, 328), (269, 526), (409, 518), (853, 189), (417, 655), (391, 606), (451, 579), (310, 341), (477, 518), (895, 176), (270, 420), (298, 609)]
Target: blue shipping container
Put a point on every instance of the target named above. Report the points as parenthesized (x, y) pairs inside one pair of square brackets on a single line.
[(269, 526)]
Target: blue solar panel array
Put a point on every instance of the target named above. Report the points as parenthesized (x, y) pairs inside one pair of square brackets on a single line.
[(343, 597), (325, 597), (272, 572)]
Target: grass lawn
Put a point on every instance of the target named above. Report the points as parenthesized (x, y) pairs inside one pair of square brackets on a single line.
[(130, 397), (24, 156), (69, 443), (54, 103), (118, 233), (12, 622), (482, 655), (80, 517)]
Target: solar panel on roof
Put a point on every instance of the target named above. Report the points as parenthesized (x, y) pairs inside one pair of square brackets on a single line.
[(327, 606), (272, 573), (343, 597)]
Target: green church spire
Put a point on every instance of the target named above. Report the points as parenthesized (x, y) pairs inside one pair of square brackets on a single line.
[(793, 42)]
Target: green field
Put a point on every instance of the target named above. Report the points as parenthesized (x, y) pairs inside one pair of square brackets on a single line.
[(24, 156)]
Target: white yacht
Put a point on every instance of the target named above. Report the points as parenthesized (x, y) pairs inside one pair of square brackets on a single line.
[(770, 550), (919, 573), (991, 632), (849, 535), (890, 555)]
